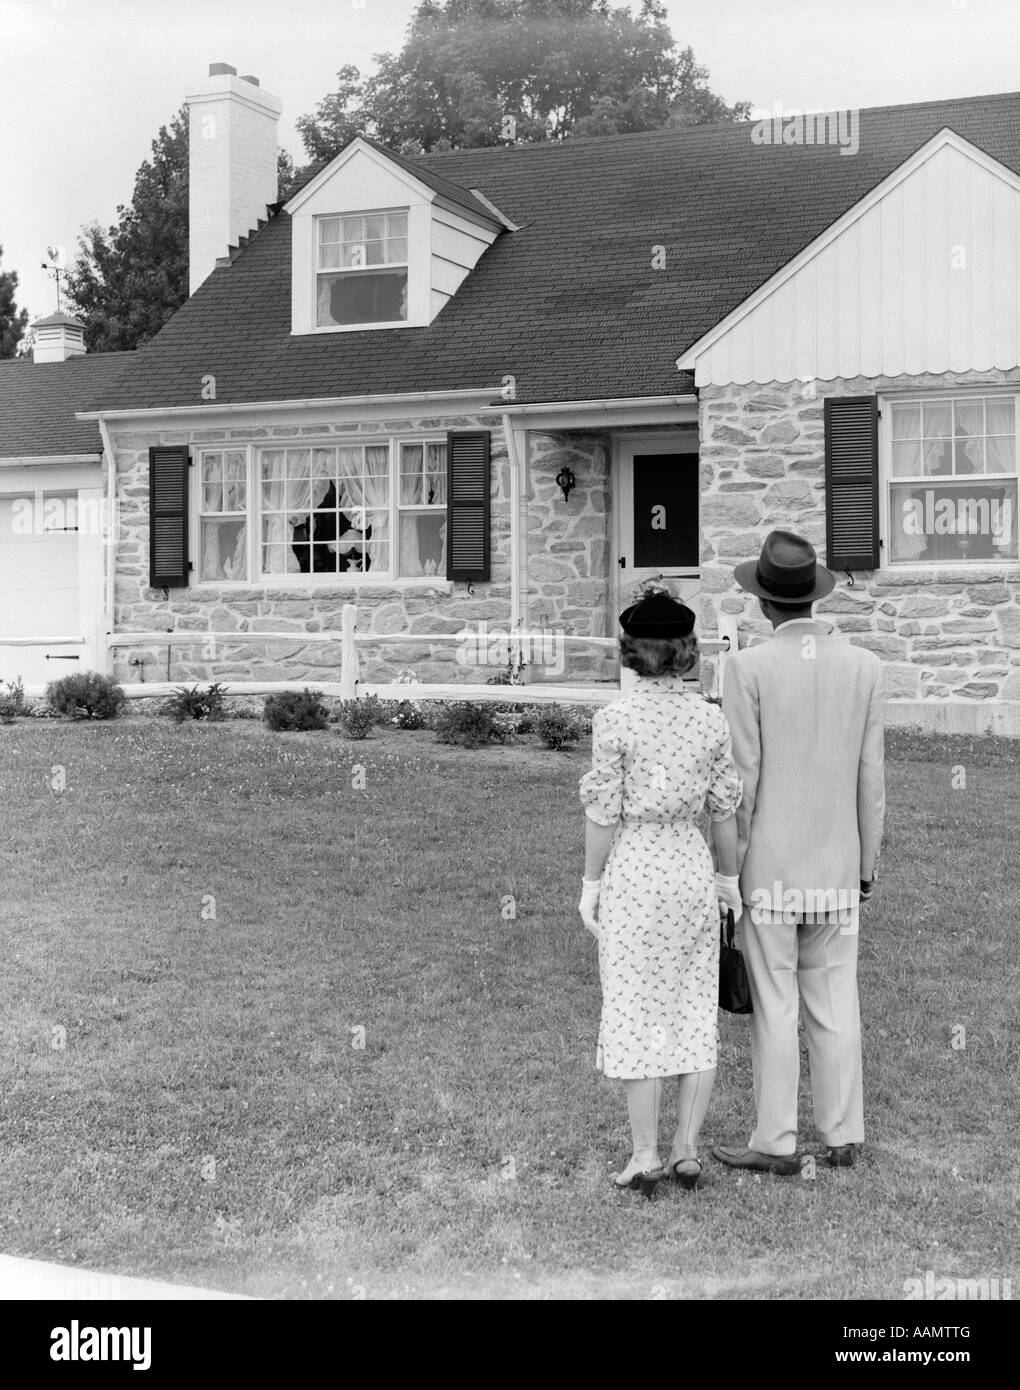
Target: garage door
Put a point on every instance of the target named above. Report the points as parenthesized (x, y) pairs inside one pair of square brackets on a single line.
[(38, 587)]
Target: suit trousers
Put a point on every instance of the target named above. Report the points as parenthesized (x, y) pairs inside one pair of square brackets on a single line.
[(814, 962)]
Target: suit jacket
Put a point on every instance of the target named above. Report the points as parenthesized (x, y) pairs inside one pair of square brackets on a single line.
[(807, 727)]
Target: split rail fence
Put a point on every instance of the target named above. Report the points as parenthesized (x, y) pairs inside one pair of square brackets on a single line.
[(351, 687)]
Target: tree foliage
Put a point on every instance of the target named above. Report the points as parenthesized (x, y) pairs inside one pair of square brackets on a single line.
[(483, 72), (13, 321), (128, 280), (471, 72)]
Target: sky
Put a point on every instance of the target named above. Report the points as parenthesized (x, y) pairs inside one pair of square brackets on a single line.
[(88, 83)]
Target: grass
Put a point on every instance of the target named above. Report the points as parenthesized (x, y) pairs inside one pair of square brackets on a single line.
[(209, 1116)]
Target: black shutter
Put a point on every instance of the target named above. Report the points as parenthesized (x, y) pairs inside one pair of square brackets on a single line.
[(467, 504), (851, 482), (168, 517)]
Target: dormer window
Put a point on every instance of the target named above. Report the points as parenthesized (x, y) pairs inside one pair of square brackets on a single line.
[(361, 269), (379, 244)]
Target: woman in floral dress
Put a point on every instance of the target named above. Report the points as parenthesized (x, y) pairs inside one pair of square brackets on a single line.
[(649, 894)]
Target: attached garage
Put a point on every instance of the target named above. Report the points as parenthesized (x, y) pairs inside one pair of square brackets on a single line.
[(53, 530), (47, 591)]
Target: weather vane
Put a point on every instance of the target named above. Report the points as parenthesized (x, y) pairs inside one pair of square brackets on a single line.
[(55, 262)]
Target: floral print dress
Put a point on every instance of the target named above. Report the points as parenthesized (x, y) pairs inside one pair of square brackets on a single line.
[(658, 756)]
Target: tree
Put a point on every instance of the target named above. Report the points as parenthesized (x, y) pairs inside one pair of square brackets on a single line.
[(128, 280), (13, 321), (287, 177), (483, 72)]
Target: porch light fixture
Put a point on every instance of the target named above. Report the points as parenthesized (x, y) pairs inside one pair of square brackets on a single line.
[(565, 480)]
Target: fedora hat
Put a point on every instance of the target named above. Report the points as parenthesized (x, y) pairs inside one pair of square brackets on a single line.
[(657, 615), (786, 571)]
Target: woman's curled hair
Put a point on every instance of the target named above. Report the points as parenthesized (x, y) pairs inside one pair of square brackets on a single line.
[(659, 656)]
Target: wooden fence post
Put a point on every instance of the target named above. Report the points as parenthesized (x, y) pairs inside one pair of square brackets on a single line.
[(727, 627), (348, 653)]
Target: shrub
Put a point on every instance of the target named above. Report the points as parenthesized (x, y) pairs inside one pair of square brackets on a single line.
[(357, 717), (526, 723), (433, 712), (465, 723), (504, 729), (556, 728), (409, 715), (582, 719), (195, 704), (12, 700), (295, 711), (86, 696)]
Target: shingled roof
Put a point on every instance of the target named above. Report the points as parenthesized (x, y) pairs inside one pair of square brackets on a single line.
[(38, 401), (570, 304)]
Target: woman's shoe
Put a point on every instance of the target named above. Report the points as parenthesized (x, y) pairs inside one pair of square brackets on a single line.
[(688, 1179), (645, 1182)]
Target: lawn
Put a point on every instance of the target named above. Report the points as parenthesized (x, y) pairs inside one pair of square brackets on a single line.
[(305, 1018)]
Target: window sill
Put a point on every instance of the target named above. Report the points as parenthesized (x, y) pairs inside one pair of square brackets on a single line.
[(927, 566), (355, 327), (323, 585)]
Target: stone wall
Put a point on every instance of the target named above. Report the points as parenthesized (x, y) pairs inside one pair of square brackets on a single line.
[(567, 545), (420, 606), (945, 634), (568, 549)]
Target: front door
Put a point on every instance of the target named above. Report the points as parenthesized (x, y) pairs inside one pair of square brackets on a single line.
[(657, 530)]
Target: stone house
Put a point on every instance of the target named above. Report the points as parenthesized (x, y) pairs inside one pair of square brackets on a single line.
[(491, 391)]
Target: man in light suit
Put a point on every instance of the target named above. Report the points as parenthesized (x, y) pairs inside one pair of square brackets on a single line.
[(805, 713)]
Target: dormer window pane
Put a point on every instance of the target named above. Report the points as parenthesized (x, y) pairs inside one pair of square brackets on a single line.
[(360, 297), (362, 269)]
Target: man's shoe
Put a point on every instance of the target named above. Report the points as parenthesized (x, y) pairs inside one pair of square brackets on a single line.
[(783, 1165), (841, 1155)]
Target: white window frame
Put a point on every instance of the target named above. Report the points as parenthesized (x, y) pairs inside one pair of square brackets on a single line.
[(318, 270), (886, 477), (351, 579), (198, 491)]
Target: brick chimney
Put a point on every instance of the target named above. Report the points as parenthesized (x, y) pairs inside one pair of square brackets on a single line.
[(231, 166), (57, 337)]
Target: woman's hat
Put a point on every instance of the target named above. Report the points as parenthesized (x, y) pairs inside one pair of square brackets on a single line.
[(657, 615), (786, 571)]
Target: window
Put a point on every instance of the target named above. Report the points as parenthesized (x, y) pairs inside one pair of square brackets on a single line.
[(351, 508), (422, 509), (223, 506), (952, 483), (325, 510), (361, 269)]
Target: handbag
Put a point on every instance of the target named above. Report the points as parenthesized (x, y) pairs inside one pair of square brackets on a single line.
[(734, 988)]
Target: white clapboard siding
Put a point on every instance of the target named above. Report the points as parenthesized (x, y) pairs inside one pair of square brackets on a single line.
[(922, 275), (458, 243)]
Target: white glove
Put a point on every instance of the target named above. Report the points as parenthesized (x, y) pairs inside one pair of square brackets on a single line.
[(587, 907), (727, 890)]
